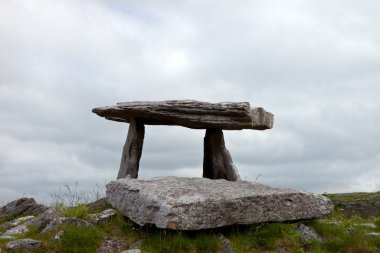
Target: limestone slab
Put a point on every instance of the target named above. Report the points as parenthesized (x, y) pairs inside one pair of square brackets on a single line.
[(201, 203), (190, 113)]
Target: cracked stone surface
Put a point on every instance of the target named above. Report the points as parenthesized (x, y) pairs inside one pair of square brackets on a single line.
[(201, 203)]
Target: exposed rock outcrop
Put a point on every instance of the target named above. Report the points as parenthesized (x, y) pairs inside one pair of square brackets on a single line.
[(23, 245), (21, 207), (201, 203)]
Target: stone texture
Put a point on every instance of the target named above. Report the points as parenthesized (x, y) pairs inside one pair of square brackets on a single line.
[(136, 244), (111, 245), (364, 204), (6, 237), (43, 219), (132, 251), (373, 234), (103, 216), (16, 222), (65, 221), (367, 225), (130, 158), (191, 114), (23, 245), (307, 233), (58, 236), (217, 162), (201, 203), (226, 244), (20, 229), (21, 207)]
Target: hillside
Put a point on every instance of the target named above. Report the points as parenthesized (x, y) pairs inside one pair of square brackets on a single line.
[(96, 227)]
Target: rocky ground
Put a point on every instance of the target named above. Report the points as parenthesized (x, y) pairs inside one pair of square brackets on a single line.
[(26, 226), (363, 204)]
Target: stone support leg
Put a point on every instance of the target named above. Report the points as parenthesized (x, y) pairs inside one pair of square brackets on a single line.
[(130, 159), (217, 162)]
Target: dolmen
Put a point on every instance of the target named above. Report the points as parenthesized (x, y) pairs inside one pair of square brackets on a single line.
[(218, 199)]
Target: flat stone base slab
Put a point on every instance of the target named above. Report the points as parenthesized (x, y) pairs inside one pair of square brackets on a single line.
[(201, 203)]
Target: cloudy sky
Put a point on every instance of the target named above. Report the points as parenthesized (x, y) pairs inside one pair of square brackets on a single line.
[(314, 64)]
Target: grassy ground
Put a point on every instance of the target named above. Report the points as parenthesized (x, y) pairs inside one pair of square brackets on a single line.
[(340, 234)]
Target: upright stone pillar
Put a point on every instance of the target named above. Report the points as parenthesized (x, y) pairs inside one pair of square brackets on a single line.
[(217, 162), (130, 159)]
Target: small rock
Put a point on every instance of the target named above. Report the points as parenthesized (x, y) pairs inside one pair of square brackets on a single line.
[(103, 216), (24, 244), (226, 244), (6, 237), (43, 219), (22, 206), (350, 230), (65, 221), (111, 245), (307, 233), (132, 251), (136, 244), (58, 236), (16, 222), (20, 229), (367, 225), (334, 223), (372, 234)]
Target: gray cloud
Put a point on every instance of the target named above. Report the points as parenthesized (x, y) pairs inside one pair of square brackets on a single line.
[(314, 65)]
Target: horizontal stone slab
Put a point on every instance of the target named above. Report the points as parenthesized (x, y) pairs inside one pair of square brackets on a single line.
[(191, 114), (201, 203)]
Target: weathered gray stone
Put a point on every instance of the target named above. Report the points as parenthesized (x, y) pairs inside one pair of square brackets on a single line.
[(350, 230), (65, 221), (132, 251), (307, 233), (43, 219), (103, 216), (111, 245), (58, 236), (217, 162), (23, 244), (373, 234), (191, 114), (20, 229), (136, 244), (200, 203), (20, 207), (367, 225), (16, 222), (6, 237), (226, 244), (130, 159), (364, 204)]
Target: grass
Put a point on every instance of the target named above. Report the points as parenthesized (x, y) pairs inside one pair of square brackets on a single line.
[(173, 242), (80, 239), (79, 211), (269, 237), (259, 238)]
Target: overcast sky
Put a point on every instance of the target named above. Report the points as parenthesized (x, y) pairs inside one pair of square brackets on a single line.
[(314, 64)]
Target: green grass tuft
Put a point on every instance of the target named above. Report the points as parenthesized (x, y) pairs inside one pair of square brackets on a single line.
[(80, 239), (79, 211), (173, 242)]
